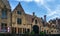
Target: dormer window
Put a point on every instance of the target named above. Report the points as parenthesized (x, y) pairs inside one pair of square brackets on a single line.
[(18, 12)]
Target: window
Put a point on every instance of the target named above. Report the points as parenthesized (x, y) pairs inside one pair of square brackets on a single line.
[(51, 30), (19, 30), (45, 31), (18, 12), (4, 14), (3, 27), (35, 21), (28, 30), (32, 19), (57, 31), (24, 30), (52, 25), (19, 21), (13, 30)]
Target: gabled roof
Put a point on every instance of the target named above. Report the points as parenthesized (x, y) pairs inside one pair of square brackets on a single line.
[(6, 3), (19, 7), (30, 18)]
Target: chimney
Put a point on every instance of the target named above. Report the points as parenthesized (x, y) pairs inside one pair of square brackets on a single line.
[(56, 21), (33, 13), (44, 19)]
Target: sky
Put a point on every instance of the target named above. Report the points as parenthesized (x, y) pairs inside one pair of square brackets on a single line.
[(50, 8)]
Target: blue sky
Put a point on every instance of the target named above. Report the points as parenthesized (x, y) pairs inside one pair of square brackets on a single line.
[(51, 8)]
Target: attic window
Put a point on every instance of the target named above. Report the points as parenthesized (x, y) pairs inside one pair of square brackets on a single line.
[(18, 12)]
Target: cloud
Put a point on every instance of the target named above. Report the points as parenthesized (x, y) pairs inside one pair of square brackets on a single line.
[(36, 1), (54, 14), (56, 11), (52, 11), (40, 2), (46, 4), (25, 0), (50, 0)]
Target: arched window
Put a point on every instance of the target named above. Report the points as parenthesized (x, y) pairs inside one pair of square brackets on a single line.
[(35, 21)]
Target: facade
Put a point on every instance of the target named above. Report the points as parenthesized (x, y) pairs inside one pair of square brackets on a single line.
[(23, 21), (17, 21), (5, 17)]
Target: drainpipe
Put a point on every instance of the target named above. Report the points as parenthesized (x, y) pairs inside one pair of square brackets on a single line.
[(11, 22)]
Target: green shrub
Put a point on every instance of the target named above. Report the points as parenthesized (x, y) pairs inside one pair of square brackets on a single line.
[(42, 33), (32, 32)]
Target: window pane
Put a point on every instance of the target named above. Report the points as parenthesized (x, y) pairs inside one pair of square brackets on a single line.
[(3, 27), (24, 30), (19, 21), (4, 14), (19, 30), (18, 12), (13, 30)]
